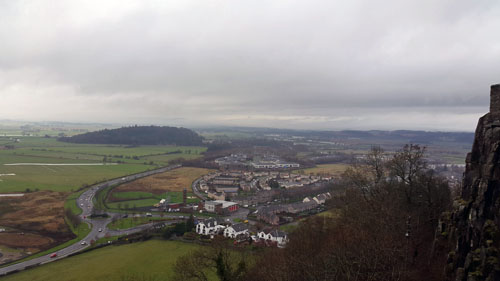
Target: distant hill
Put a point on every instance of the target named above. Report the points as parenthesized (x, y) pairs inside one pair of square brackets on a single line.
[(372, 136), (139, 135)]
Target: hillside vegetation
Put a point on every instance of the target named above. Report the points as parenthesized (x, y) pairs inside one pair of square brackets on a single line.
[(139, 135)]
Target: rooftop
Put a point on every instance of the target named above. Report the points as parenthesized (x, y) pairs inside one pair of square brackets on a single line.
[(225, 204)]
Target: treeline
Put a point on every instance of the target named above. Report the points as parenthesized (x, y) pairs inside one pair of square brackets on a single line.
[(139, 135), (386, 229)]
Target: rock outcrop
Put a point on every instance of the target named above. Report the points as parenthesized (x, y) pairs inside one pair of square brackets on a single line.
[(475, 223)]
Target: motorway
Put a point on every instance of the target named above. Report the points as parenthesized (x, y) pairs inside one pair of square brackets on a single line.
[(98, 226)]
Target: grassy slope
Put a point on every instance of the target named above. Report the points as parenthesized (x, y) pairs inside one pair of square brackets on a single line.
[(153, 258)]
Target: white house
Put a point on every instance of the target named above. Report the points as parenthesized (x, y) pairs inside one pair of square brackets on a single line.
[(277, 236), (321, 198), (236, 230), (208, 227)]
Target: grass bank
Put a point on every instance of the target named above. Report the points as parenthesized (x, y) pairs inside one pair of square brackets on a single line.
[(153, 259)]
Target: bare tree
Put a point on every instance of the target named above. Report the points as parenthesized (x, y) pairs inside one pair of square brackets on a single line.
[(385, 231), (229, 264)]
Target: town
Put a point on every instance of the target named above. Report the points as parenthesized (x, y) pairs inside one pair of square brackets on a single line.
[(242, 194)]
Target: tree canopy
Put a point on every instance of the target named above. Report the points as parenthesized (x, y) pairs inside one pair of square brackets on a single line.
[(139, 135)]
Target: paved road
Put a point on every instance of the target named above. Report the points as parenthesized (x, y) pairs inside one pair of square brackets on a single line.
[(98, 226), (198, 193)]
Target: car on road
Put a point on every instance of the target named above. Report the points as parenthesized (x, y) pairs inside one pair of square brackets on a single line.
[(53, 255), (83, 243), (100, 230)]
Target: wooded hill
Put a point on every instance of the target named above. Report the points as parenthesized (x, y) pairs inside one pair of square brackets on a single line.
[(139, 135)]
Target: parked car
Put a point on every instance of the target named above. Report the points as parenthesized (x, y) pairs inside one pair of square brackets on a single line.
[(53, 255)]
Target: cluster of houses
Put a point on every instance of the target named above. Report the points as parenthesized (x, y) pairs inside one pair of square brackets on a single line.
[(275, 214), (240, 232), (233, 161), (239, 161), (225, 185)]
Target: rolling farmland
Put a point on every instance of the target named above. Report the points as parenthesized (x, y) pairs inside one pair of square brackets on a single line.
[(64, 172)]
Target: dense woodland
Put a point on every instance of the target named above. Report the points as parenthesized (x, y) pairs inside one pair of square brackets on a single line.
[(139, 135)]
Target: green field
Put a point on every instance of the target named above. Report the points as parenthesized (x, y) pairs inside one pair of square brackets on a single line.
[(131, 222), (153, 259), (147, 199), (70, 203), (133, 203), (124, 160), (62, 178), (325, 169)]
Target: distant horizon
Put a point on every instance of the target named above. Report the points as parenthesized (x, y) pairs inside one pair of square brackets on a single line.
[(214, 127)]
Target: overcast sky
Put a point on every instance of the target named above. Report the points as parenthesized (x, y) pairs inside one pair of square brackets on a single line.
[(391, 64)]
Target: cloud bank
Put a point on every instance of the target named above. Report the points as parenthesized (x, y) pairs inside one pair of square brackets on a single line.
[(291, 64)]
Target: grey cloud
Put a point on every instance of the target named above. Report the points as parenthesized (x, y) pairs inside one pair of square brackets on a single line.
[(325, 64)]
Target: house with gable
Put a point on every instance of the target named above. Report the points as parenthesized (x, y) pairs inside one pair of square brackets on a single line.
[(275, 235), (236, 230), (208, 227), (321, 198)]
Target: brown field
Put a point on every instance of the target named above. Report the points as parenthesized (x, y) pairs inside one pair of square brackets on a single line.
[(27, 240), (36, 221), (10, 254), (174, 180), (41, 211)]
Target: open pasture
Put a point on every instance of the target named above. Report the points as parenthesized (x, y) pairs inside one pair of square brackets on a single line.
[(61, 178), (153, 259), (146, 199), (326, 169), (66, 178)]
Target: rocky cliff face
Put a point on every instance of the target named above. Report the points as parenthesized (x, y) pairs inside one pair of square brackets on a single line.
[(475, 224)]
